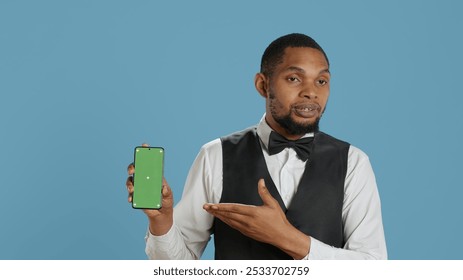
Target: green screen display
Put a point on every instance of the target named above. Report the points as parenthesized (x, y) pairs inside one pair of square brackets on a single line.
[(147, 179)]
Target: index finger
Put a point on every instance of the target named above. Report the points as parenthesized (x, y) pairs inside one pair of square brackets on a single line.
[(237, 208)]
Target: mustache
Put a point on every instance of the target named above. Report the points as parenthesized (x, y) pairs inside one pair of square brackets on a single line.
[(306, 105)]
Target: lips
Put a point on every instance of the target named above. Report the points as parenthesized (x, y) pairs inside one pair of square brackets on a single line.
[(307, 110)]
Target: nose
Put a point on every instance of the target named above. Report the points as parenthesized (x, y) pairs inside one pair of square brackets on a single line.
[(309, 91)]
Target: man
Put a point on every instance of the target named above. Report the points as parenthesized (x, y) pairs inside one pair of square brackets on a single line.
[(282, 189)]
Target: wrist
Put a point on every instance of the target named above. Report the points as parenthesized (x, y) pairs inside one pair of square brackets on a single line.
[(295, 243)]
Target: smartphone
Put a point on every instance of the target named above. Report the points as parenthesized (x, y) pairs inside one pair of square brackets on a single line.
[(147, 179)]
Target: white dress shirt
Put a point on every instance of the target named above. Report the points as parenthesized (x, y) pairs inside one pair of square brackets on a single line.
[(361, 212)]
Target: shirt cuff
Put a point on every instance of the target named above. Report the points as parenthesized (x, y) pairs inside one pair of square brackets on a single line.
[(165, 238), (157, 246), (318, 251)]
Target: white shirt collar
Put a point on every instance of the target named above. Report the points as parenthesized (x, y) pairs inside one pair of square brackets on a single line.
[(263, 130)]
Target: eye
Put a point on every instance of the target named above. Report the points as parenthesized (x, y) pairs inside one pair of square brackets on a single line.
[(293, 79), (322, 82)]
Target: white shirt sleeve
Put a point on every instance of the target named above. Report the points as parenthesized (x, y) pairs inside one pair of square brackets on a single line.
[(188, 237), (361, 214)]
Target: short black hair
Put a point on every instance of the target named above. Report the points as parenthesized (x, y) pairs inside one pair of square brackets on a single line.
[(273, 54)]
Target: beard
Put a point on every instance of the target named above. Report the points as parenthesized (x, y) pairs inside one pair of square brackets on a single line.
[(287, 122), (294, 128)]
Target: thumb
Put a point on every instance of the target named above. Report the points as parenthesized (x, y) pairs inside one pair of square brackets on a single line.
[(267, 198), (167, 196), (166, 190)]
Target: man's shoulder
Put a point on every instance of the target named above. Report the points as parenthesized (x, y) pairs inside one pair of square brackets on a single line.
[(354, 152), (235, 137), (212, 146), (357, 156), (357, 159), (215, 146), (328, 139)]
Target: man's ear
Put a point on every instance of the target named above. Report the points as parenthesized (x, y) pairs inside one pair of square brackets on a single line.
[(260, 82)]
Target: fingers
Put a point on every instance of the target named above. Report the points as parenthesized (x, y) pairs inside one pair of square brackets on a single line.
[(210, 206), (225, 214), (242, 209), (236, 222), (129, 181), (131, 169), (229, 209), (129, 185), (243, 222), (261, 185), (267, 198)]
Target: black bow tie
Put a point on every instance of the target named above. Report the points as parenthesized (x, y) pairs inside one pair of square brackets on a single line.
[(278, 143)]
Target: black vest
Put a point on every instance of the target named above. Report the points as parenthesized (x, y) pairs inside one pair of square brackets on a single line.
[(316, 208)]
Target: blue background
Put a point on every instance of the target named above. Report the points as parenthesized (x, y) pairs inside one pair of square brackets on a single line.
[(83, 82)]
